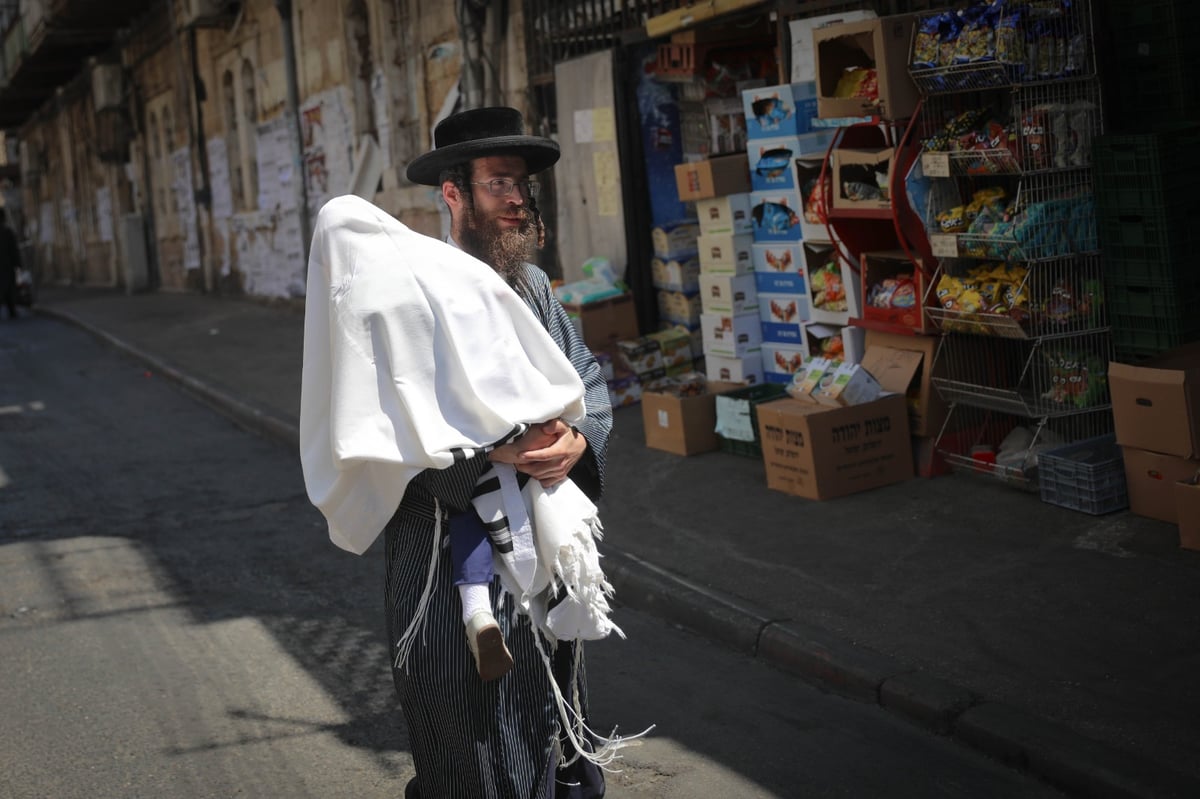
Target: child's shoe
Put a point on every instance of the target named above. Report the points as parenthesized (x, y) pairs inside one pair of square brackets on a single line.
[(492, 657)]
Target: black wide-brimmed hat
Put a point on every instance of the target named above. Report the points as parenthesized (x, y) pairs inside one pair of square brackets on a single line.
[(478, 133)]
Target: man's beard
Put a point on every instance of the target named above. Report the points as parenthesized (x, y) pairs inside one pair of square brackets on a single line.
[(504, 249)]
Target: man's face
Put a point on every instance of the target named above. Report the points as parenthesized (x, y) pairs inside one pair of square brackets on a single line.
[(500, 231)]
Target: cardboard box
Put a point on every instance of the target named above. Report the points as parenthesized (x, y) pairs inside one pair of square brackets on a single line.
[(747, 369), (1187, 512), (676, 241), (676, 275), (1156, 404), (783, 317), (732, 335), (642, 356), (821, 453), (727, 253), (605, 322), (831, 341), (625, 390), (680, 307), (713, 177), (728, 293), (773, 160), (777, 258), (1151, 478), (681, 425), (926, 408), (784, 110), (781, 361), (881, 43), (860, 178), (902, 307), (776, 215), (727, 214), (675, 346), (834, 291), (781, 283), (850, 384)]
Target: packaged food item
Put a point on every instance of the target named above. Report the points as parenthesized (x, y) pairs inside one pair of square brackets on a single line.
[(1081, 119), (858, 82), (925, 44), (808, 377), (977, 41), (1010, 41), (828, 291), (814, 209), (1035, 143)]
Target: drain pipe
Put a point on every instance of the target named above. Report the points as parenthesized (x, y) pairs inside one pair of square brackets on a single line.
[(292, 109)]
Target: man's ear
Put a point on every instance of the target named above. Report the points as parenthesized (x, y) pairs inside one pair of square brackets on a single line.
[(451, 194)]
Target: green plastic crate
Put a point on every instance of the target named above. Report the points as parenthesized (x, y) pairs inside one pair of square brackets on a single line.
[(1148, 174), (742, 402), (1146, 319), (1150, 250)]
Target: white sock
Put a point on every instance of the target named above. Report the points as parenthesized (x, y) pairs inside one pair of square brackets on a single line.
[(475, 598)]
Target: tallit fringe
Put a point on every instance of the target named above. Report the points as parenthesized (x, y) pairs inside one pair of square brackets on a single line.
[(571, 715), (577, 572), (405, 644)]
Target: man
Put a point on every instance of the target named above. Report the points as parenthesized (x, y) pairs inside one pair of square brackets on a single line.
[(10, 262), (406, 340), (502, 738)]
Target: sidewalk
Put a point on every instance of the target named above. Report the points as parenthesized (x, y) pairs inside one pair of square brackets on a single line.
[(1058, 642)]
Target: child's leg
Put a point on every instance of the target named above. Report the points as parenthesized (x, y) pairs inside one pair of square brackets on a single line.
[(471, 562), (471, 571)]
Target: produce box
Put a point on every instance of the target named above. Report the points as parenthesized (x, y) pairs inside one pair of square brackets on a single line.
[(1156, 404), (818, 452), (881, 45)]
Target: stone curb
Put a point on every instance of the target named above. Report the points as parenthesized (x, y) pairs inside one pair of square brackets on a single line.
[(1055, 754)]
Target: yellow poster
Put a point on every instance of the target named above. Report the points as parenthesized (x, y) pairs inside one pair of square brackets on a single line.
[(608, 189), (604, 127)]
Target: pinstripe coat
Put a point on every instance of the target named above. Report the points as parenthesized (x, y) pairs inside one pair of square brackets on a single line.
[(470, 739)]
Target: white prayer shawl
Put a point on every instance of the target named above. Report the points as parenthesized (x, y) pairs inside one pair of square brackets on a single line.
[(415, 355)]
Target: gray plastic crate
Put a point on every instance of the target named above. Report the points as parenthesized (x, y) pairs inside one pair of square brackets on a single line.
[(1087, 476)]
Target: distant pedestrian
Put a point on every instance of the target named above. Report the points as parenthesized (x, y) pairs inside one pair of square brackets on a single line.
[(10, 262)]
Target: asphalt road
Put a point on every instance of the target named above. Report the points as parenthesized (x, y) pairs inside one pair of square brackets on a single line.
[(174, 623)]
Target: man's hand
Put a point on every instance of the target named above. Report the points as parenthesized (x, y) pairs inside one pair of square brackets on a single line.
[(547, 452)]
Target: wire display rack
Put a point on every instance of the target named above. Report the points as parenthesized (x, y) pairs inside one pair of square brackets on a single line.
[(1002, 45), (1009, 447), (1045, 215), (1052, 377), (1011, 105), (1018, 131), (1055, 297)]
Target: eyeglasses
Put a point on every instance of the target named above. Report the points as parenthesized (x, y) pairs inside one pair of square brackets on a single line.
[(502, 187)]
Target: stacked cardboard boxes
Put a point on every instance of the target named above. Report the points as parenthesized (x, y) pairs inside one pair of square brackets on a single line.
[(730, 335), (1156, 413)]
